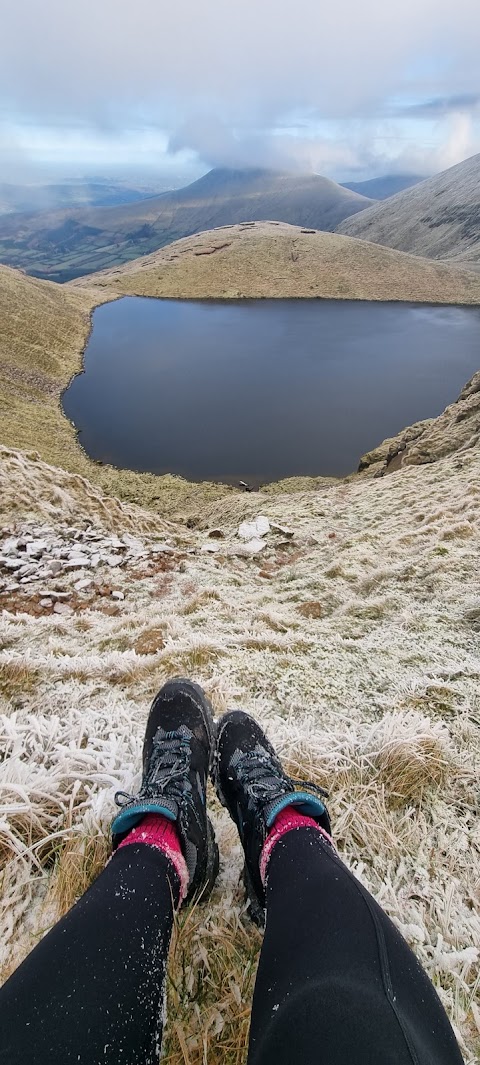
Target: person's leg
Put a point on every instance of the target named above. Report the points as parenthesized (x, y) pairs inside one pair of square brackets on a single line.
[(336, 983), (92, 990)]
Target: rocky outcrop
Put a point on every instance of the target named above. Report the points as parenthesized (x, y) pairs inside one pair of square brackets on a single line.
[(457, 429), (381, 457)]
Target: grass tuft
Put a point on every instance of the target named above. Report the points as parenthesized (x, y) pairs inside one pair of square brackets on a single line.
[(17, 678), (79, 861), (408, 768)]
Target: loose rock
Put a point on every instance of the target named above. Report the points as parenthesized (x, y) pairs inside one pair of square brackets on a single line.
[(250, 530), (252, 547), (63, 608), (83, 584)]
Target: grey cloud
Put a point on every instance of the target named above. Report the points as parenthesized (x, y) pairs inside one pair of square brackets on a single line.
[(442, 105), (219, 77), (221, 145)]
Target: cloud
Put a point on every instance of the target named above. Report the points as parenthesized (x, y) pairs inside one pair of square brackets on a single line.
[(261, 81), (461, 139), (221, 145), (442, 105)]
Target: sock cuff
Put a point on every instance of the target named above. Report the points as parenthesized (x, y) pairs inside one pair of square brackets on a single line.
[(286, 821), (155, 830)]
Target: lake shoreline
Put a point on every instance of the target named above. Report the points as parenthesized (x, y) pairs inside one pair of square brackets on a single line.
[(265, 314)]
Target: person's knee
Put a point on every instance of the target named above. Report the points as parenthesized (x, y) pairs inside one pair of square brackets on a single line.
[(325, 1023)]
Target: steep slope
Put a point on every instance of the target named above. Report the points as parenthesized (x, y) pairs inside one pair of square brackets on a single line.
[(354, 642), (65, 244), (273, 259), (40, 324), (439, 218), (380, 188)]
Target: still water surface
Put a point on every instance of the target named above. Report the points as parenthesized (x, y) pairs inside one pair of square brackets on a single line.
[(260, 390)]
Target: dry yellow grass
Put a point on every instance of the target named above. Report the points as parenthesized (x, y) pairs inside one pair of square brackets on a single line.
[(273, 259)]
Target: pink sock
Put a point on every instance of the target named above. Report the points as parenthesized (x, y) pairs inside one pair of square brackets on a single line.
[(155, 830), (285, 821)]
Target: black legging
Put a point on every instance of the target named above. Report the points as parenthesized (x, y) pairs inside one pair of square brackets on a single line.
[(336, 984)]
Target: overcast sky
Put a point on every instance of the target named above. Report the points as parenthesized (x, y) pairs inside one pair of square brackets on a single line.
[(345, 89)]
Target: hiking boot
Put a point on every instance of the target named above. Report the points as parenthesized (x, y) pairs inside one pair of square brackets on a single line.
[(251, 783), (177, 755)]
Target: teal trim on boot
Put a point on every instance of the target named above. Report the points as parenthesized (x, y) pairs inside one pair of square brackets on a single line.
[(304, 801), (128, 819)]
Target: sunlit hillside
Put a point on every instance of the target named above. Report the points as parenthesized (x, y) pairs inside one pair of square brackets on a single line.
[(271, 259)]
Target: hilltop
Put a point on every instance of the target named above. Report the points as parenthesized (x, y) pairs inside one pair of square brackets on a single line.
[(270, 259), (61, 245), (439, 218)]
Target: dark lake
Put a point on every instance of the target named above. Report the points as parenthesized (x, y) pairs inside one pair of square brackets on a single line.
[(260, 390)]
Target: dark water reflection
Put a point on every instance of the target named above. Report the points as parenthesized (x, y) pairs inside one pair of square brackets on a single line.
[(260, 390)]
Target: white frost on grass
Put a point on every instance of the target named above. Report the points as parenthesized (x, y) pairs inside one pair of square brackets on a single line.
[(356, 644)]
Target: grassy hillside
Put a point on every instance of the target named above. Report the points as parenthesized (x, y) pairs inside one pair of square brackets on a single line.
[(356, 646), (269, 259), (64, 244), (440, 218)]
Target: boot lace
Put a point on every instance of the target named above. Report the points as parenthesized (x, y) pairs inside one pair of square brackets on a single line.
[(261, 779), (167, 772)]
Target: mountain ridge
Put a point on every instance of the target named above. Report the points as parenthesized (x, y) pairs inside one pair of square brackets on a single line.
[(438, 219), (384, 186)]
